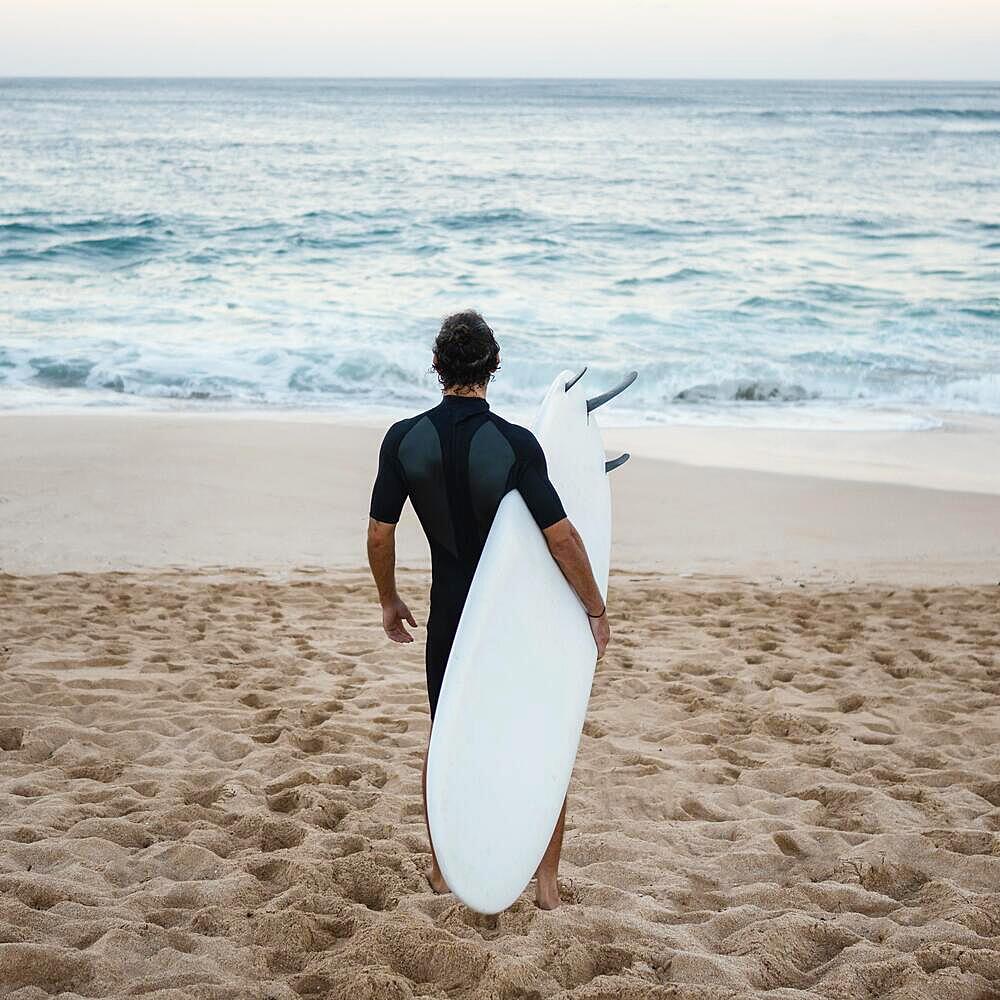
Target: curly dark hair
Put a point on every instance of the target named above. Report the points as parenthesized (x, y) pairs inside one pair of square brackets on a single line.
[(466, 354)]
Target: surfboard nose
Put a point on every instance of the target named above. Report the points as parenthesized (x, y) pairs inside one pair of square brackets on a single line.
[(576, 378)]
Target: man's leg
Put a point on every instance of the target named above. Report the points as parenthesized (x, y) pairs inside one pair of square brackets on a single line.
[(547, 891), (441, 630), (434, 875)]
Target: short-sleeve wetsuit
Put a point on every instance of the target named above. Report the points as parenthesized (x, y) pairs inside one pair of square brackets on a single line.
[(456, 462)]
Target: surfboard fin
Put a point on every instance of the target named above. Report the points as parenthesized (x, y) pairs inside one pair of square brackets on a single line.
[(593, 404), (615, 463), (575, 379)]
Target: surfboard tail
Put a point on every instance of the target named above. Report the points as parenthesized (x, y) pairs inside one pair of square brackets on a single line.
[(604, 397)]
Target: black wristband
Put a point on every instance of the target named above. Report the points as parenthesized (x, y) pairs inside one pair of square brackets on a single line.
[(601, 615)]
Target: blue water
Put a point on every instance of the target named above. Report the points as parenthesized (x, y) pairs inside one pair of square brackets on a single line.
[(817, 254)]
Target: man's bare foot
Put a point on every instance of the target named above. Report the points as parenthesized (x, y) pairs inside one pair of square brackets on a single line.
[(436, 880), (547, 893)]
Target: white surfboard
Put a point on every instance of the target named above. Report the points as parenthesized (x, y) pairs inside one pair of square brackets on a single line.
[(515, 691)]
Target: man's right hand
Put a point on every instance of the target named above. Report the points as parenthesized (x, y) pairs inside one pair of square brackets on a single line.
[(394, 613), (602, 633)]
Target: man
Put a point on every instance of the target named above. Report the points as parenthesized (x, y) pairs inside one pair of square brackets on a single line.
[(456, 462)]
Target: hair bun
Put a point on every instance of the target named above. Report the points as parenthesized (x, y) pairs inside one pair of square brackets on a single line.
[(466, 354)]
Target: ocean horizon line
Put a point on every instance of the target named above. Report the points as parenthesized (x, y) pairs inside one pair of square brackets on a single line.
[(212, 78)]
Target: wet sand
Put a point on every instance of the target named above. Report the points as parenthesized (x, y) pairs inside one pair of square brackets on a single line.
[(96, 492)]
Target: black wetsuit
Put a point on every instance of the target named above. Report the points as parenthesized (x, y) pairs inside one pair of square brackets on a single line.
[(456, 462)]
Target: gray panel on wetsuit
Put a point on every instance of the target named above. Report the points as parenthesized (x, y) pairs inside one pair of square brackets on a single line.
[(420, 455), (490, 460)]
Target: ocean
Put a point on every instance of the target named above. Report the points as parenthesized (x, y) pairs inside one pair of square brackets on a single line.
[(764, 253)]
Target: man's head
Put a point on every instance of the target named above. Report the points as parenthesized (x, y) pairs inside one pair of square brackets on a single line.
[(466, 354)]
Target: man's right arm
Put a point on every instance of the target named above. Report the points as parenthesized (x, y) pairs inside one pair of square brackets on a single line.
[(568, 550), (562, 538)]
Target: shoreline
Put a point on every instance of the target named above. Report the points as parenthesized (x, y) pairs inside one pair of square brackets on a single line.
[(958, 456), (96, 492)]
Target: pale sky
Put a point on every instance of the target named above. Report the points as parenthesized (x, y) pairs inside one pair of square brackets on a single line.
[(911, 39)]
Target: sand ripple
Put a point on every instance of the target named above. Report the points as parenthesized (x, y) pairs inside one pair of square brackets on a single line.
[(209, 787)]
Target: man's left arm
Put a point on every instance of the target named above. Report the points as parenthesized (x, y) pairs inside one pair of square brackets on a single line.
[(382, 560), (388, 496)]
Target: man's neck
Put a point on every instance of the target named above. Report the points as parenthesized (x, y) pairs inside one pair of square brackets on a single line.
[(477, 392)]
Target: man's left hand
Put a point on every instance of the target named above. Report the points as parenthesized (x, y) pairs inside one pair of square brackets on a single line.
[(394, 613)]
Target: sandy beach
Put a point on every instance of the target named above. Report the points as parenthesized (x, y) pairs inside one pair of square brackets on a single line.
[(788, 785)]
